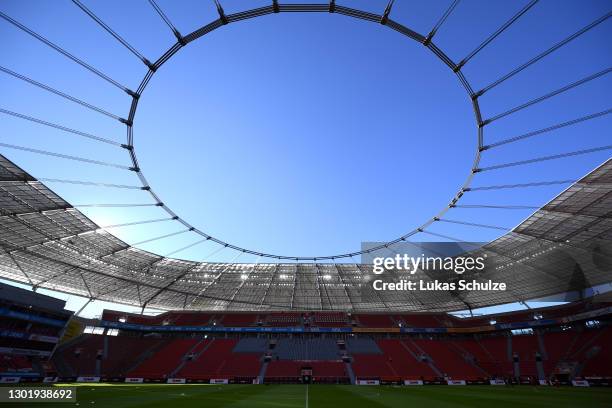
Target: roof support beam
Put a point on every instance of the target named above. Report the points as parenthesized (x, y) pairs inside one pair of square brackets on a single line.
[(20, 269)]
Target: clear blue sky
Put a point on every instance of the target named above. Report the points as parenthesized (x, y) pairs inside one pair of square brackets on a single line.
[(305, 134)]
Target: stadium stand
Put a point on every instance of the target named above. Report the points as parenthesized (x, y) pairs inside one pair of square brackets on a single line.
[(239, 366), (31, 325), (251, 345), (556, 347), (291, 371), (237, 320), (596, 354), (470, 353), (48, 243), (84, 355), (217, 360), (374, 320), (450, 363), (283, 319), (283, 369), (306, 349), (191, 319), (329, 319), (414, 320), (525, 348), (14, 363), (165, 360), (496, 360), (362, 345), (572, 346), (404, 363), (373, 366), (174, 318), (120, 352), (328, 369)]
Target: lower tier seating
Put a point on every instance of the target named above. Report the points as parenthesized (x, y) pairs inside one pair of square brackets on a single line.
[(83, 354), (526, 348), (448, 360), (306, 349), (121, 351), (320, 369), (368, 366), (403, 362), (598, 355), (165, 360), (13, 363), (218, 361)]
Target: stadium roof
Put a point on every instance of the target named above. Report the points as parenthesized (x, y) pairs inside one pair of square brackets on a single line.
[(47, 243)]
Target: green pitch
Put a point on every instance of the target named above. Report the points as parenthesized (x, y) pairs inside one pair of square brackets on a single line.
[(332, 396)]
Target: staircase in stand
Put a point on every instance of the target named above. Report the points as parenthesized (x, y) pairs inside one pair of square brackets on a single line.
[(262, 371), (350, 372), (429, 361), (191, 351)]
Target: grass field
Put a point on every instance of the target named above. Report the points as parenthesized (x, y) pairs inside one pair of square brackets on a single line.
[(332, 396)]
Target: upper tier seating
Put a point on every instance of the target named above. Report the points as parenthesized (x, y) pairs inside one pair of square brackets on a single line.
[(328, 319), (374, 320), (173, 318), (419, 320), (191, 319), (342, 319), (526, 315), (237, 320), (283, 319)]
